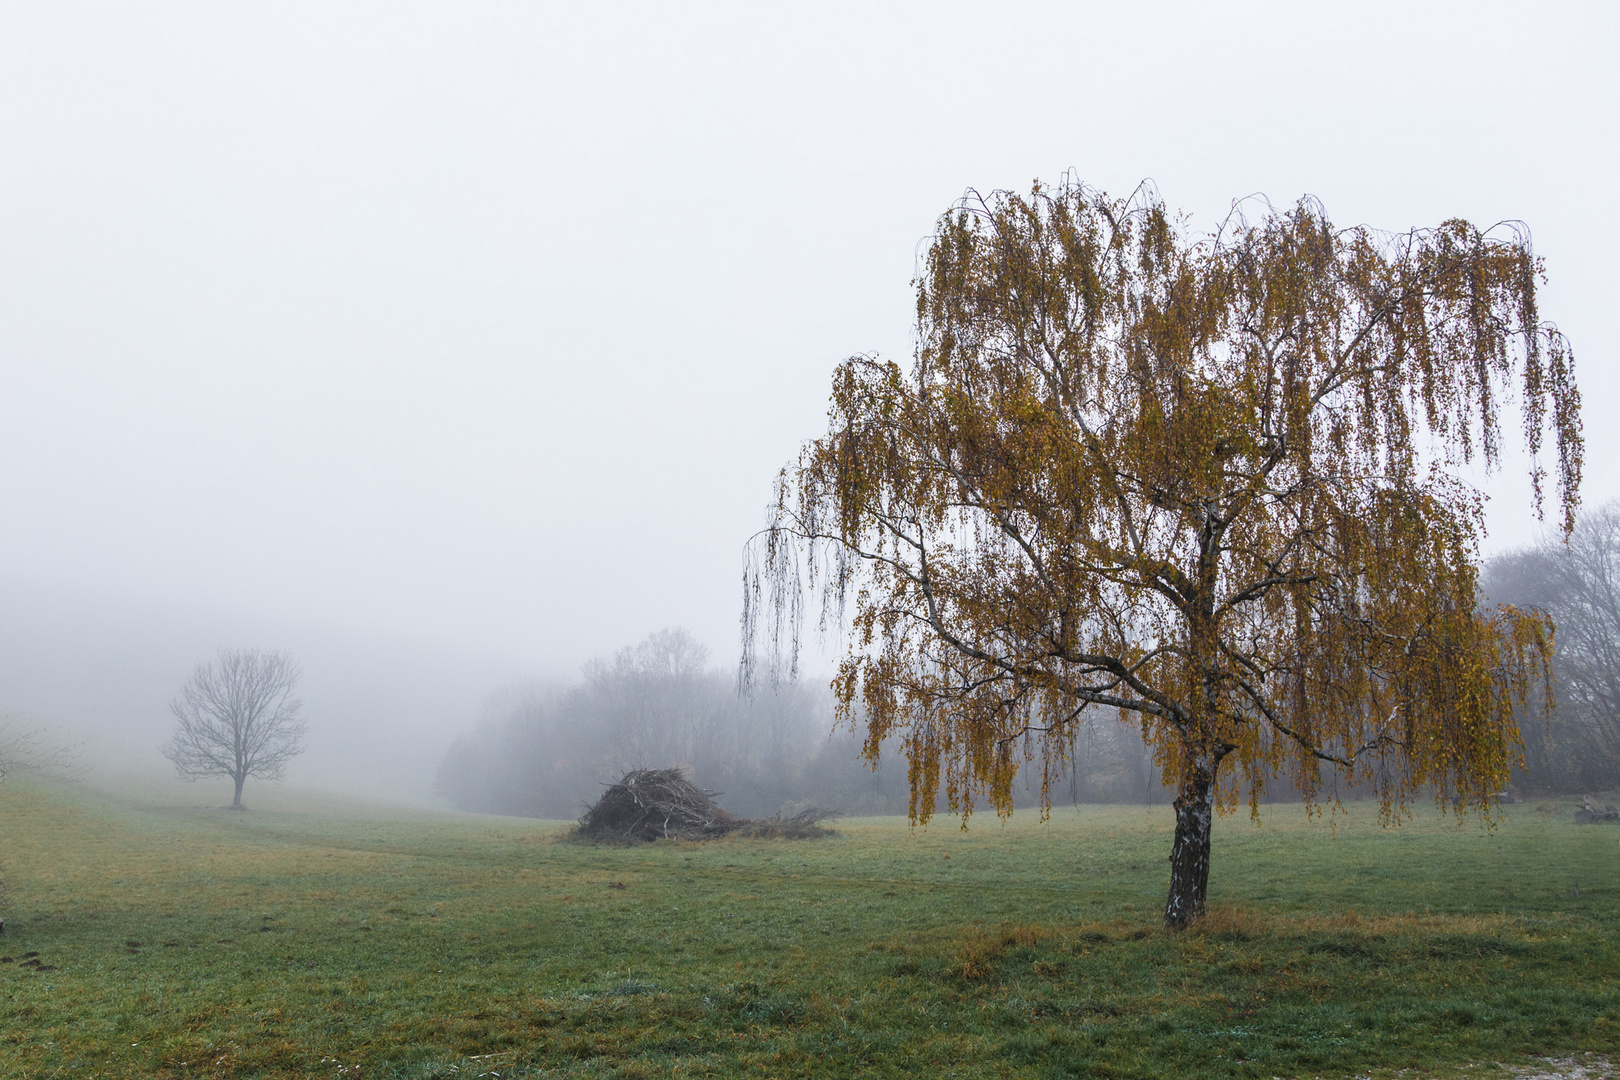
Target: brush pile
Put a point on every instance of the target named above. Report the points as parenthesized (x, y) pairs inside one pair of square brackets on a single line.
[(662, 804), (805, 825)]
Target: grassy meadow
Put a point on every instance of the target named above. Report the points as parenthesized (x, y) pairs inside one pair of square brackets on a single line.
[(150, 934)]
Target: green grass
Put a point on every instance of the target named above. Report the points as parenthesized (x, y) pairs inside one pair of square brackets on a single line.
[(339, 940)]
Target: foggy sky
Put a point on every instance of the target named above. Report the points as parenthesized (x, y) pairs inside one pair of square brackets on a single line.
[(485, 327)]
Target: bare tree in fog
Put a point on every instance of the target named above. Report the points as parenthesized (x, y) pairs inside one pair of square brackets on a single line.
[(1578, 584), (238, 718), (26, 748)]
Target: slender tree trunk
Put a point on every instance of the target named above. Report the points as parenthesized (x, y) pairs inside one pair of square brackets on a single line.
[(236, 804), (1195, 804), (1189, 857)]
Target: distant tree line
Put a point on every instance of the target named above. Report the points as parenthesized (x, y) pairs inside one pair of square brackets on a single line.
[(1577, 747), (547, 750)]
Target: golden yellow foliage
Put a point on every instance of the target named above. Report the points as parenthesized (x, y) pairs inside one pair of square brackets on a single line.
[(1206, 483)]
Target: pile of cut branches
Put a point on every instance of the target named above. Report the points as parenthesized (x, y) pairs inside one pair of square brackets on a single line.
[(662, 804), (655, 804), (805, 825)]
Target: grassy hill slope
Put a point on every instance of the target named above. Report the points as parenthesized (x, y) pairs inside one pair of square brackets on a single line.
[(150, 935)]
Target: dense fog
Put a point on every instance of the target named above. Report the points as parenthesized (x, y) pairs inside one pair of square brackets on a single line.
[(447, 349)]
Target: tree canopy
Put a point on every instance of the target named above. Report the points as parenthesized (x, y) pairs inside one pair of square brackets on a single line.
[(237, 717), (1209, 484)]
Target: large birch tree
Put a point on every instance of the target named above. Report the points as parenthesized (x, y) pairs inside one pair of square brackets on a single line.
[(1212, 485)]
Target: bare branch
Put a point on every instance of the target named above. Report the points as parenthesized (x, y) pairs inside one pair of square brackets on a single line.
[(237, 717)]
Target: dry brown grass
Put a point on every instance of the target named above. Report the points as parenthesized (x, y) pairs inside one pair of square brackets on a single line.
[(1240, 924)]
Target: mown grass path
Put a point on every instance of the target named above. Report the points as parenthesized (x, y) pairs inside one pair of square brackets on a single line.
[(308, 940)]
